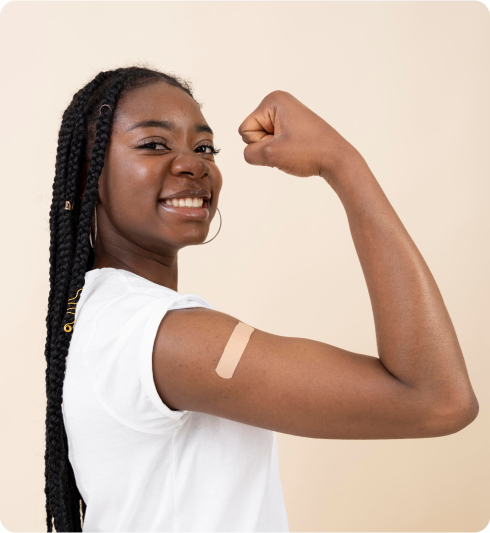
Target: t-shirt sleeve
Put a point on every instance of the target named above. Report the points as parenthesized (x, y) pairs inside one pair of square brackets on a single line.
[(119, 358)]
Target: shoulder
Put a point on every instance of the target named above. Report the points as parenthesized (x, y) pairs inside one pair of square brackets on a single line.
[(105, 287), (119, 304)]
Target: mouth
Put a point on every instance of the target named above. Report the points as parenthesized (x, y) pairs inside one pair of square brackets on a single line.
[(194, 208)]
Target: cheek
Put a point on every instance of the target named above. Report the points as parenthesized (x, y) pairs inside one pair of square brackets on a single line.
[(132, 187), (131, 190), (217, 182)]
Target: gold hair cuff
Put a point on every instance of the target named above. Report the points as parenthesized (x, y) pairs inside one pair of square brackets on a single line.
[(71, 310), (106, 105)]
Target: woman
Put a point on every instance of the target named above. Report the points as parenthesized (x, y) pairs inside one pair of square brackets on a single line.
[(162, 411)]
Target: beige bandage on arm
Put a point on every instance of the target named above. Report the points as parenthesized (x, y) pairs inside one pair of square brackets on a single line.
[(233, 350)]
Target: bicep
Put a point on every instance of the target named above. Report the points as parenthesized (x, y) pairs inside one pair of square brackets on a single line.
[(287, 384)]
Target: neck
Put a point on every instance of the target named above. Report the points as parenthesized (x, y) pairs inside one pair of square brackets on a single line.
[(162, 270)]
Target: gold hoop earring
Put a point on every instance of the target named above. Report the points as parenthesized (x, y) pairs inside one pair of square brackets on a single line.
[(219, 212), (95, 236)]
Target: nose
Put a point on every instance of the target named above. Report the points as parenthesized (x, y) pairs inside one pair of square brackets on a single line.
[(191, 165)]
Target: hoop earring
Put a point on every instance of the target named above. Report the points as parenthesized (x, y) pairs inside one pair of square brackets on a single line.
[(220, 220), (95, 236)]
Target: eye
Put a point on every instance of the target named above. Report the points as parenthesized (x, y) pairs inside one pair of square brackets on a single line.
[(151, 145), (212, 149)]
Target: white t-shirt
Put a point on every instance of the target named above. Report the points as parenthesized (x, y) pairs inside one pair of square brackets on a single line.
[(139, 465)]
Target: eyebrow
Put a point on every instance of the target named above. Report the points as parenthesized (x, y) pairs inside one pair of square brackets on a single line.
[(167, 125)]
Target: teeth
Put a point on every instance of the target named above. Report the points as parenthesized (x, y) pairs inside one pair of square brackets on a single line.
[(185, 202)]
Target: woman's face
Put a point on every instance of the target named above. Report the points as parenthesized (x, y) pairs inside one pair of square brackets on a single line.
[(159, 148)]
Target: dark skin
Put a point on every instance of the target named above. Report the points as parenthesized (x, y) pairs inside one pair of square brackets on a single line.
[(134, 232), (418, 386)]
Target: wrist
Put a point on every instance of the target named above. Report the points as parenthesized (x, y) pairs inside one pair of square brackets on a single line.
[(340, 172), (357, 188)]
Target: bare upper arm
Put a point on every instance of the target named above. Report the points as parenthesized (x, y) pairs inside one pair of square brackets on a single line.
[(287, 384)]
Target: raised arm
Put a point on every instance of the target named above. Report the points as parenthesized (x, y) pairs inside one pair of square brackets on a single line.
[(416, 339), (417, 387)]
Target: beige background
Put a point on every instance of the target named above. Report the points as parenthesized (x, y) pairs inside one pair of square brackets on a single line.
[(407, 83)]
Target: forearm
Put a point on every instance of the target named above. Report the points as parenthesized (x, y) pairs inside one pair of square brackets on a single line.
[(416, 339)]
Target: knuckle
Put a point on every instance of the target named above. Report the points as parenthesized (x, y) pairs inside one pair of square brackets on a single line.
[(279, 95), (269, 150)]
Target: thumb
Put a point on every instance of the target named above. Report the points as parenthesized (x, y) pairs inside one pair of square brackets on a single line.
[(260, 152)]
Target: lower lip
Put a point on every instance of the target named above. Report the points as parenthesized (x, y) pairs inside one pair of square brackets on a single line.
[(194, 213)]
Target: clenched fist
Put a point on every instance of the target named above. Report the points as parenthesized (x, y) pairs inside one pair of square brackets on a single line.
[(285, 134)]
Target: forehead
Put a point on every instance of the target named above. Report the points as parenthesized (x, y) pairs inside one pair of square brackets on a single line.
[(158, 101)]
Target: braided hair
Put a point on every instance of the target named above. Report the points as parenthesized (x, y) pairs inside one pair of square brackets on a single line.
[(83, 136)]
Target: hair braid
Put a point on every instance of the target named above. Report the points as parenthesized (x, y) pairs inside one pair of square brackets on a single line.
[(64, 141), (84, 135), (57, 211)]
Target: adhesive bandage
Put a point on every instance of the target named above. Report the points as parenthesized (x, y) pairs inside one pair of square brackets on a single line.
[(233, 350)]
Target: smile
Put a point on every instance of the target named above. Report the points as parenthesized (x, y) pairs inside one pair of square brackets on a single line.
[(186, 202), (187, 208)]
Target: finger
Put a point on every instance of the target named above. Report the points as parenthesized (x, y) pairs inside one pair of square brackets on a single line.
[(253, 136), (257, 125)]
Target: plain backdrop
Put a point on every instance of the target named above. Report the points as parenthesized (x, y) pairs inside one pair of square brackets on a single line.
[(407, 83)]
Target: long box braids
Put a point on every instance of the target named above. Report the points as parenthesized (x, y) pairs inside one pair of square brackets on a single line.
[(84, 135)]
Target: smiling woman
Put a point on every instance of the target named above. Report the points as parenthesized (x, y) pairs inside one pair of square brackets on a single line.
[(150, 159), (162, 411), (131, 140)]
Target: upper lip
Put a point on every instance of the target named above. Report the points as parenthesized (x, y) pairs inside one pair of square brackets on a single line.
[(186, 193)]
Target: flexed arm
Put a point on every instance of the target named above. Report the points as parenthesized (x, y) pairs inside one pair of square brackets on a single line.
[(419, 385)]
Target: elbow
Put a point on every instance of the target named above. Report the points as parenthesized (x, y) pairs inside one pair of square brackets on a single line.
[(470, 411), (450, 419)]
